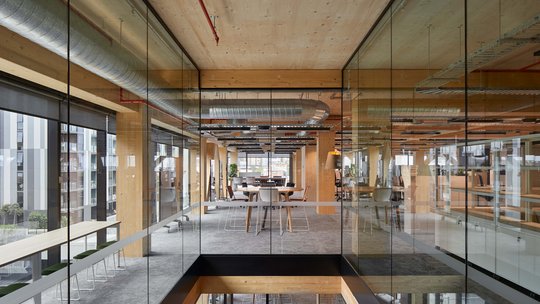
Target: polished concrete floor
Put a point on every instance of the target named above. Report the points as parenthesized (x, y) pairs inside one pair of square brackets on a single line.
[(223, 232)]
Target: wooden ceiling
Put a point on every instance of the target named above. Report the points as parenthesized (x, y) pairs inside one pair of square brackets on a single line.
[(295, 34)]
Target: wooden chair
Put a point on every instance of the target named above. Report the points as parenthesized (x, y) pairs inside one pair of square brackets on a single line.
[(232, 195)]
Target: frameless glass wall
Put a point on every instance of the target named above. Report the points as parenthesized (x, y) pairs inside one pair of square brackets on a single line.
[(283, 144), (99, 161), (443, 136)]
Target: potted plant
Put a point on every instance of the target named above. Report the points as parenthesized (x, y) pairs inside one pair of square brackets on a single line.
[(233, 170), (233, 175)]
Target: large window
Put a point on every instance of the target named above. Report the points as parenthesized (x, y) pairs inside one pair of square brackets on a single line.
[(268, 164), (23, 175), (78, 158)]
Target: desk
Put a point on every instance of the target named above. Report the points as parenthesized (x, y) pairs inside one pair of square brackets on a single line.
[(488, 191), (33, 246), (254, 191), (525, 199)]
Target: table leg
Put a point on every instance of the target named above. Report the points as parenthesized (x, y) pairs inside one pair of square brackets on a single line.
[(289, 218), (36, 274), (398, 219), (248, 217), (377, 216)]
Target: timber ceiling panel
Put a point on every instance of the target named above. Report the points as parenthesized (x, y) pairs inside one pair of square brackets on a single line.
[(296, 34)]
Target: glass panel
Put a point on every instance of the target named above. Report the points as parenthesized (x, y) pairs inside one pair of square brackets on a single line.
[(307, 218), (23, 187), (192, 188), (427, 130), (503, 141), (351, 164), (369, 159), (233, 224), (29, 156), (108, 192)]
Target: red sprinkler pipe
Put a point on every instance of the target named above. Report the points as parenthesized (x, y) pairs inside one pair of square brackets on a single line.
[(216, 37)]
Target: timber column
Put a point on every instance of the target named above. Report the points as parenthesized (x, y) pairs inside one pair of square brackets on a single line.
[(132, 134), (325, 176)]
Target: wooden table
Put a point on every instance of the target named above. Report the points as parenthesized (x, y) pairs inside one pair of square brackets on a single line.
[(33, 246), (254, 191)]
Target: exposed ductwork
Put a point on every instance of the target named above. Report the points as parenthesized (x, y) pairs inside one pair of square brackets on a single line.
[(308, 110), (526, 33), (42, 22)]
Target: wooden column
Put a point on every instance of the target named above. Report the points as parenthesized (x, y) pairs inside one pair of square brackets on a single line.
[(222, 151), (325, 176), (373, 164), (213, 154), (234, 158), (311, 173), (386, 180), (178, 183), (196, 179), (132, 174), (298, 166), (204, 174)]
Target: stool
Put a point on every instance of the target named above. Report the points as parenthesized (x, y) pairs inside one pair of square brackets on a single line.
[(109, 243), (5, 290), (85, 254), (54, 268)]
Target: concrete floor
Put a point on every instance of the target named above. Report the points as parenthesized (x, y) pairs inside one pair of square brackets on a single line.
[(223, 232)]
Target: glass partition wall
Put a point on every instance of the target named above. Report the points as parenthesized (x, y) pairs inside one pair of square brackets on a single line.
[(100, 159), (279, 139), (444, 149)]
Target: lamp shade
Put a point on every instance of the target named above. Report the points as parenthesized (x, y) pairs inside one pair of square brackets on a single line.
[(331, 160)]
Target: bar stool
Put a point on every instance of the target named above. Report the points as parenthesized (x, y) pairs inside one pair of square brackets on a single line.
[(119, 268), (85, 254), (54, 268)]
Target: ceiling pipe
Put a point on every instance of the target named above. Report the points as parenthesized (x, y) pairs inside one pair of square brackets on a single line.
[(212, 27), (309, 111), (42, 23)]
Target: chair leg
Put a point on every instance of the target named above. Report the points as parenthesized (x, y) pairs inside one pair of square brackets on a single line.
[(121, 268), (264, 218), (114, 269), (88, 280), (60, 296), (307, 219), (365, 222), (257, 222), (371, 220), (280, 222), (78, 290)]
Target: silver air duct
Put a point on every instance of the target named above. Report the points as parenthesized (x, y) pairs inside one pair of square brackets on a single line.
[(308, 110), (42, 23)]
